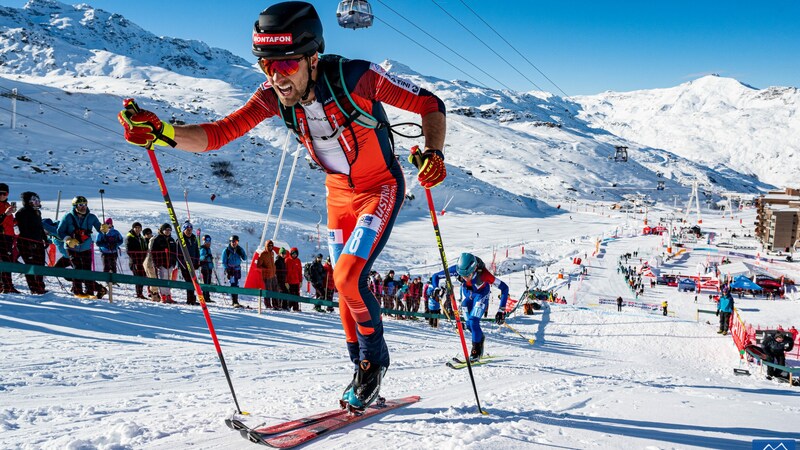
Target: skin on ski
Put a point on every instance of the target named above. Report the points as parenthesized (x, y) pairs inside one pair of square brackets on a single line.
[(282, 427), (483, 358), (322, 427), (457, 364), (298, 423)]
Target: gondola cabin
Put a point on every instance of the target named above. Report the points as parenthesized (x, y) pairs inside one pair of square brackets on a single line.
[(354, 14)]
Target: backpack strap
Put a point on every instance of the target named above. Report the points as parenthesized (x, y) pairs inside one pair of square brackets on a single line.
[(332, 68)]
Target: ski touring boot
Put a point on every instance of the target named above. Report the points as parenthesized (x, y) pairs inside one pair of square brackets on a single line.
[(477, 350), (363, 390)]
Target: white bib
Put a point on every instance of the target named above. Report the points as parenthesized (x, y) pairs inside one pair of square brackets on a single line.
[(329, 152)]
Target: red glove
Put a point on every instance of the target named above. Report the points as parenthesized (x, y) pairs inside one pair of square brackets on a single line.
[(431, 166), (144, 128)]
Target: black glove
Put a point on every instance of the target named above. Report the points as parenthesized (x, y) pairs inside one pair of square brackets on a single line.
[(717, 313), (500, 317)]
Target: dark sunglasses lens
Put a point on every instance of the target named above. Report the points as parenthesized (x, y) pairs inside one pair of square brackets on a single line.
[(285, 67)]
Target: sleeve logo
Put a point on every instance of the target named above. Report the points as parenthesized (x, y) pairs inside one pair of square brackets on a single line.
[(397, 81)]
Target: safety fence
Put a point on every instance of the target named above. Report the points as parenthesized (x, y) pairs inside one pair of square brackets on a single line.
[(628, 303), (793, 372), (111, 278)]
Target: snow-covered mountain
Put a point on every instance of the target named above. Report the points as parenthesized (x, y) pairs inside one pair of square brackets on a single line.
[(715, 121), (47, 37), (512, 149)]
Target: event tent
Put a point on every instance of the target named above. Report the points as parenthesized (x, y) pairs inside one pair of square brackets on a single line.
[(742, 282)]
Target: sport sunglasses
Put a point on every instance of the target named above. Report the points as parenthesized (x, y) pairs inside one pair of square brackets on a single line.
[(285, 67)]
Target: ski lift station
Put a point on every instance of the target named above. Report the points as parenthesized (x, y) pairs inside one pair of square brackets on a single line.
[(621, 153)]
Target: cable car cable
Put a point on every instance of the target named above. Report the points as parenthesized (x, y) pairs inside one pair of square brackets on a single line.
[(514, 48), (432, 52), (445, 46), (487, 45)]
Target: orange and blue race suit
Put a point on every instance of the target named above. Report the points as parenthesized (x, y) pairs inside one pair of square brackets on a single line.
[(362, 204)]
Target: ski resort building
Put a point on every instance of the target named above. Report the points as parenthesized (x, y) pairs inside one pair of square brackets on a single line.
[(777, 218)]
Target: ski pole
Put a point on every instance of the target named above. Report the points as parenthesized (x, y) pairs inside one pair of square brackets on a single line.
[(532, 341), (103, 191), (274, 190), (58, 204), (219, 283), (440, 244), (132, 107), (186, 199), (286, 192)]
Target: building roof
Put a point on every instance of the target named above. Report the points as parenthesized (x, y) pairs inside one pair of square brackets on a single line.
[(783, 197), (778, 209)]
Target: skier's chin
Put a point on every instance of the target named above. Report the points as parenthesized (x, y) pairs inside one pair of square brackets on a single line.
[(289, 101)]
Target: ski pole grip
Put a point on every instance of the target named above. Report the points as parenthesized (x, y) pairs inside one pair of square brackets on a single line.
[(130, 105), (415, 157)]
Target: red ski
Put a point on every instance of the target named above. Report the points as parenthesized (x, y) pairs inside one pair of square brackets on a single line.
[(302, 431)]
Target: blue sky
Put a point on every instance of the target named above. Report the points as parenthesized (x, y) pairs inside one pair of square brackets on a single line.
[(585, 47)]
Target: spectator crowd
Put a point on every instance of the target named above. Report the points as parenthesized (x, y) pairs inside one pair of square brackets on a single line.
[(70, 243)]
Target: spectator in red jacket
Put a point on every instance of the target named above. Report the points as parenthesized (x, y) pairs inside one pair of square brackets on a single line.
[(294, 276), (7, 236), (414, 295)]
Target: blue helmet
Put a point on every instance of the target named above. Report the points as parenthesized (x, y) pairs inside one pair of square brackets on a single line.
[(467, 264)]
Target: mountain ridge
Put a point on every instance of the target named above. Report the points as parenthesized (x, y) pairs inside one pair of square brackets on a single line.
[(516, 147)]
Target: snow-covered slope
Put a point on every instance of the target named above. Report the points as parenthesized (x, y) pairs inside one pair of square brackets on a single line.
[(511, 149), (715, 121)]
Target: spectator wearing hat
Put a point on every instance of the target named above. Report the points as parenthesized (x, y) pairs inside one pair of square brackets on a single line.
[(76, 231), (149, 268), (316, 273), (206, 265), (725, 310), (136, 248), (163, 253), (7, 238), (232, 258), (280, 275), (193, 250), (108, 242), (32, 238), (776, 345), (266, 265), (389, 290), (414, 295), (294, 276)]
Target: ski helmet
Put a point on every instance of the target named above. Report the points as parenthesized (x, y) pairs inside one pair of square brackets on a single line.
[(206, 238), (467, 265), (286, 29), (79, 199), (4, 188), (234, 238)]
